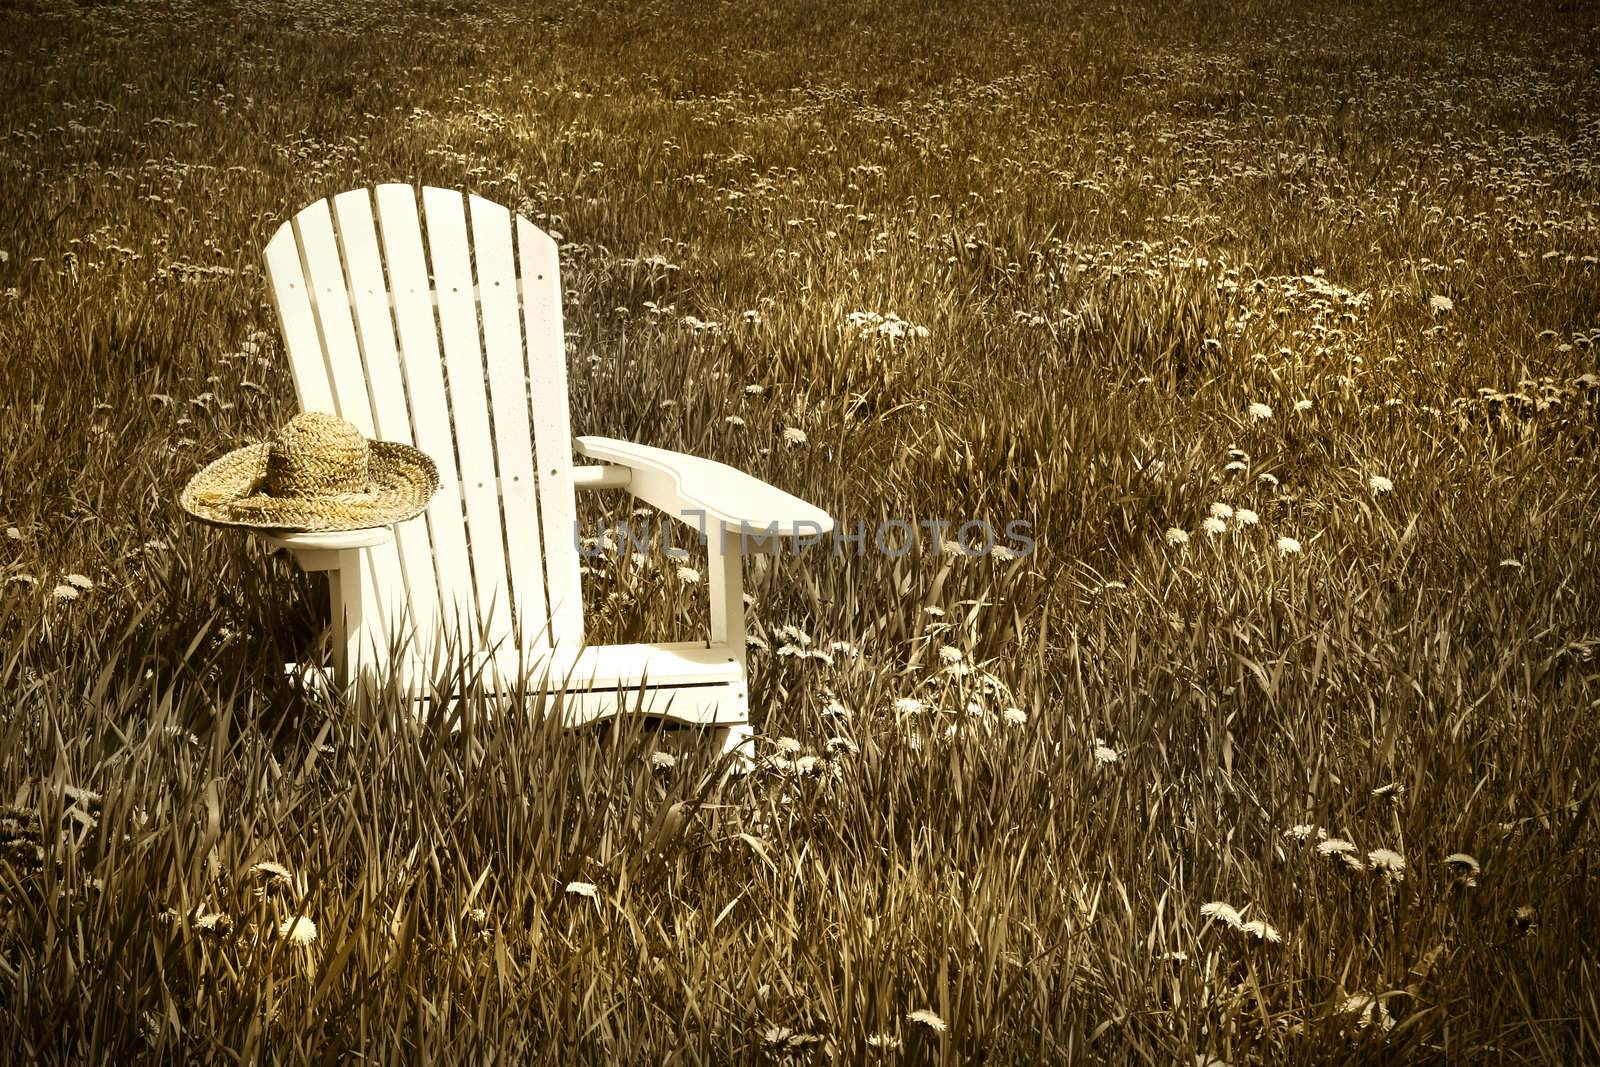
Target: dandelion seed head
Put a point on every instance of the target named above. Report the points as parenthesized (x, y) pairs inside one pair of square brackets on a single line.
[(1259, 411), (926, 1017), (1175, 536), (1379, 484), (1288, 546), (1220, 911), (1388, 863), (1214, 526), (299, 930)]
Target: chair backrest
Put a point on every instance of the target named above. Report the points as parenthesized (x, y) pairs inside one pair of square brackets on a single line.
[(441, 328)]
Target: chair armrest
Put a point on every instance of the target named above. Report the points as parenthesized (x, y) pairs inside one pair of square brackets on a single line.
[(686, 486), (320, 551)]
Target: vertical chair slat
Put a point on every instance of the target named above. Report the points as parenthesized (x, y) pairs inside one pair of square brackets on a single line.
[(325, 284), (419, 359), (319, 248), (309, 368), (449, 253), (504, 358), (409, 558), (552, 427)]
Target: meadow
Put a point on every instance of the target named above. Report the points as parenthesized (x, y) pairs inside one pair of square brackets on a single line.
[(1279, 322)]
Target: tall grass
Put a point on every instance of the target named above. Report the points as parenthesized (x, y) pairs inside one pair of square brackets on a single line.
[(995, 797)]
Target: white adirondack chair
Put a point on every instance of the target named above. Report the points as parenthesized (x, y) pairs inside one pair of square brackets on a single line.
[(442, 328)]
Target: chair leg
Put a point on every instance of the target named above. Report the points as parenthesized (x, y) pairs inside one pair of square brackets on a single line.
[(346, 593), (739, 741), (728, 627)]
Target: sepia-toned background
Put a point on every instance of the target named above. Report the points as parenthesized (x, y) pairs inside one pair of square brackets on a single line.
[(1279, 322)]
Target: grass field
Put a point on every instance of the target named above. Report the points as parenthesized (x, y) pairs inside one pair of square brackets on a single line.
[(1280, 323)]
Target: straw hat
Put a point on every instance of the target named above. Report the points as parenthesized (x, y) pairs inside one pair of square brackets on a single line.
[(317, 473)]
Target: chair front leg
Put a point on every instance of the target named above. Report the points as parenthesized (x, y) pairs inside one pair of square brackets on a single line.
[(346, 600), (726, 580), (726, 565)]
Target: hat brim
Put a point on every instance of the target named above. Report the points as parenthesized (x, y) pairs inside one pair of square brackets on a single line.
[(227, 492)]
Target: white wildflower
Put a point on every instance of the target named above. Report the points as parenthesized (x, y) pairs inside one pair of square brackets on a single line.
[(300, 930), (1388, 863), (1222, 912), (1305, 831), (1369, 1010)]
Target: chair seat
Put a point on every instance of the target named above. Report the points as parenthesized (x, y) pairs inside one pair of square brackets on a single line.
[(689, 681)]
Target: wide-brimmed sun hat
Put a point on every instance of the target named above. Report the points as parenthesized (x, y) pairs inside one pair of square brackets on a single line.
[(318, 473)]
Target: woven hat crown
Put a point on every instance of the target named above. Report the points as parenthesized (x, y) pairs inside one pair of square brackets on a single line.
[(317, 454)]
